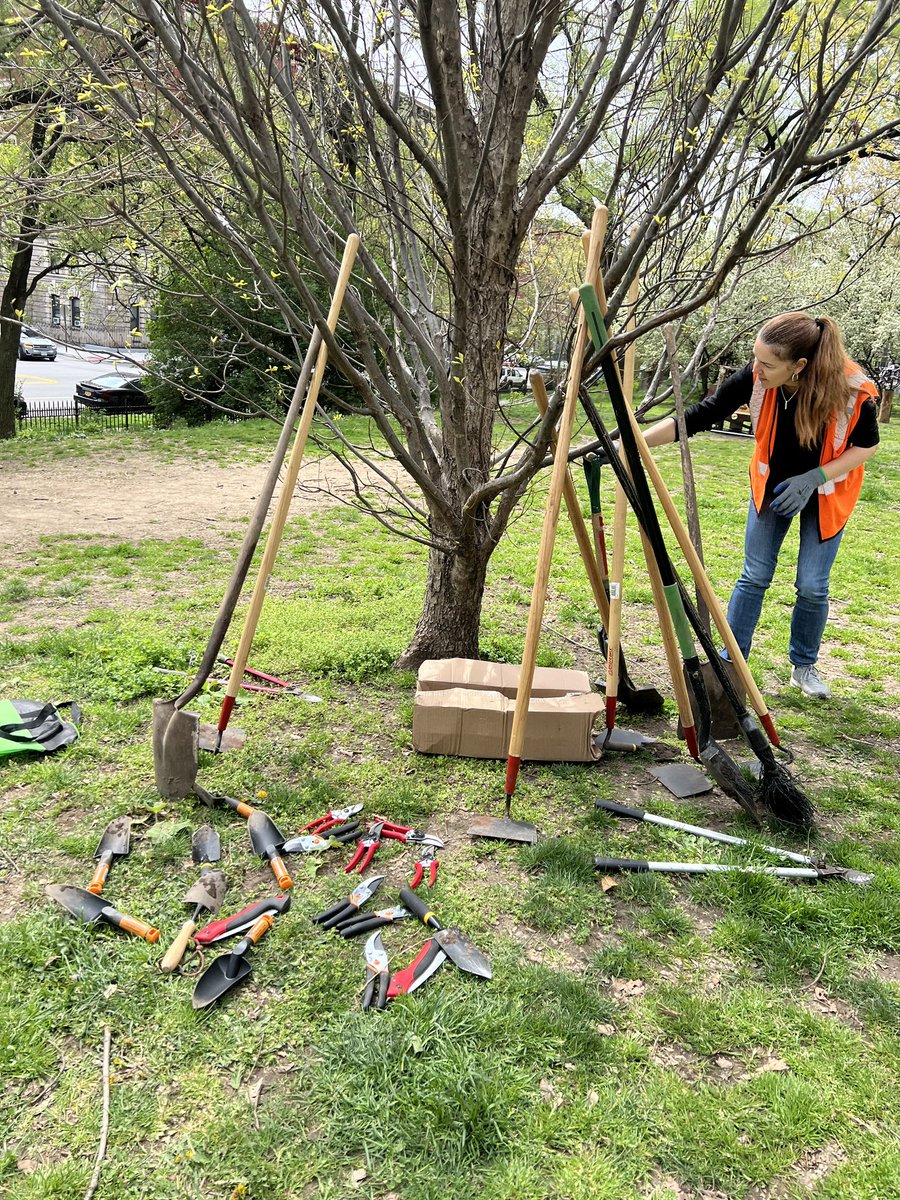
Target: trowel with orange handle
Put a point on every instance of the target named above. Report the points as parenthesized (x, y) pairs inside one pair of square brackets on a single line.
[(267, 840), (229, 969), (114, 844), (90, 909)]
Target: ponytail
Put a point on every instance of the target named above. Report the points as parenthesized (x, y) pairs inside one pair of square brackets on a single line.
[(822, 384)]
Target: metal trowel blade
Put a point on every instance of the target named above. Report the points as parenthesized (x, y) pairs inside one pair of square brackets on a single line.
[(503, 829)]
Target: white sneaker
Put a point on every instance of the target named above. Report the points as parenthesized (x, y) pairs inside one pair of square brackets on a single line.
[(808, 680)]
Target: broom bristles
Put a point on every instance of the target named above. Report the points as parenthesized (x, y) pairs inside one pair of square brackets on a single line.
[(786, 802)]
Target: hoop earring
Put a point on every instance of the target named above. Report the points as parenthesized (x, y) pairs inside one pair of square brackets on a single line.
[(794, 377)]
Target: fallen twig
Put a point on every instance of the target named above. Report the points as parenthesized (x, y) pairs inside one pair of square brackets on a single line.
[(104, 1121)]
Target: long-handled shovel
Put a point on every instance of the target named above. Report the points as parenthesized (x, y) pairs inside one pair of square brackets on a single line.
[(638, 699), (548, 532), (715, 835), (207, 893), (276, 529), (176, 733), (777, 791)]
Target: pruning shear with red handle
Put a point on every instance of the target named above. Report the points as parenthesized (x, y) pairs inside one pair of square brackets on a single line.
[(365, 849), (333, 817), (428, 862)]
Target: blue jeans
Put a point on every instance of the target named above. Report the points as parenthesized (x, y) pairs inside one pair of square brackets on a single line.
[(762, 544)]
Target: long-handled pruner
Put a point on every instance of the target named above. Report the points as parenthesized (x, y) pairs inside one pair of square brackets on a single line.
[(715, 835), (609, 865), (281, 686)]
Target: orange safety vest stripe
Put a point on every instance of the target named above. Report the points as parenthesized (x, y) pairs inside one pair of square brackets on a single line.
[(837, 497)]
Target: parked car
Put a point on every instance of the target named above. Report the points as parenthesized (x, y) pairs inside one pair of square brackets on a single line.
[(116, 392), (513, 378), (34, 345)]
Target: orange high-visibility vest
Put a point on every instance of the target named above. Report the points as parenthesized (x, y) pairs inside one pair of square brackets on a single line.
[(837, 497)]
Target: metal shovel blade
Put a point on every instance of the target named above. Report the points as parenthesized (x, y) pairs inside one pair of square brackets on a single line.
[(503, 829), (219, 977), (176, 740), (80, 903), (460, 949), (209, 890), (116, 838), (206, 846), (265, 836)]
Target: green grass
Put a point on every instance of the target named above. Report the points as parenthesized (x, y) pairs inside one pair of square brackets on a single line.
[(592, 1065)]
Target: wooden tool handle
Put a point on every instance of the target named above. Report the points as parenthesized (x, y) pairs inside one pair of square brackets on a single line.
[(703, 583), (95, 887), (573, 508), (280, 871), (140, 928), (551, 513), (615, 606), (279, 518), (175, 952)]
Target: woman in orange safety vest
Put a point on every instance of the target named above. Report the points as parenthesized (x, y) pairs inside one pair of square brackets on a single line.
[(815, 423)]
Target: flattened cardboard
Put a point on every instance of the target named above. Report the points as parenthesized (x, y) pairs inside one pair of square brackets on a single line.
[(468, 723), (437, 674)]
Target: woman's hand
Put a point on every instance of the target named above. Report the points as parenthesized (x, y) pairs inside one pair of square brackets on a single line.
[(793, 493)]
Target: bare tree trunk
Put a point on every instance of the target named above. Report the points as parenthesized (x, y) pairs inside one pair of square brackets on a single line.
[(451, 611), (15, 289)]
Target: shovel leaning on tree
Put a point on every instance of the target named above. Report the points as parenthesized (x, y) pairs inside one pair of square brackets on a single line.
[(114, 844), (207, 893), (90, 909), (176, 732)]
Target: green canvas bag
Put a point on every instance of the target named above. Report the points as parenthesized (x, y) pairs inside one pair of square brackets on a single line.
[(35, 726)]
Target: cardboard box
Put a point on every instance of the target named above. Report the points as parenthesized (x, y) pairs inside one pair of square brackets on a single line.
[(476, 721), (435, 674)]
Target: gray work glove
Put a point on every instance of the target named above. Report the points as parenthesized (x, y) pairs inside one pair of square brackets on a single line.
[(793, 493)]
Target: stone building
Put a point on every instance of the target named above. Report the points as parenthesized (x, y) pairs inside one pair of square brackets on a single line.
[(86, 306)]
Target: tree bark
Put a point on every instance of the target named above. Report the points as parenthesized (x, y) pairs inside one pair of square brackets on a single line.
[(15, 289), (451, 610)]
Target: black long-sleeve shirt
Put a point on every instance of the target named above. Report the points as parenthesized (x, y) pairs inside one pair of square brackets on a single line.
[(788, 457)]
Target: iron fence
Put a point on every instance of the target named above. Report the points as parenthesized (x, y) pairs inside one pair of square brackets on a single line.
[(67, 415)]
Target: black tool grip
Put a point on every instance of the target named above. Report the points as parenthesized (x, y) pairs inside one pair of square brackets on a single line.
[(620, 810), (419, 908), (353, 929), (620, 864), (321, 917)]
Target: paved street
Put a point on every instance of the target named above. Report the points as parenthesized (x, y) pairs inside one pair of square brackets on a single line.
[(51, 384)]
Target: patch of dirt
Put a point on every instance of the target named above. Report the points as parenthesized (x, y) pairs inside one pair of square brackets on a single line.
[(12, 891), (141, 496), (809, 1170), (888, 968), (824, 1005)]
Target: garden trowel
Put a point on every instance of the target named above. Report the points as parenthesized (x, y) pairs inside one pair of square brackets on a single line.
[(229, 969), (207, 893), (90, 909), (114, 844), (267, 840), (458, 947)]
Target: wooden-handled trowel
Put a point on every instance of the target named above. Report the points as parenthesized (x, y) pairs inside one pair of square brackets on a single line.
[(208, 892)]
